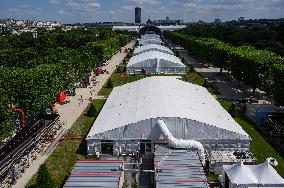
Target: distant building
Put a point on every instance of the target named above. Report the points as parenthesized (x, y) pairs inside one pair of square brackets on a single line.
[(137, 15), (3, 28), (241, 19), (167, 21), (217, 21)]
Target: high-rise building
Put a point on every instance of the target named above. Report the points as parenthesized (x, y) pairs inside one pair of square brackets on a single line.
[(137, 15)]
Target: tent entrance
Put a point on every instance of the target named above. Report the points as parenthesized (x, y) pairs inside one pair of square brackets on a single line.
[(107, 147), (145, 147)]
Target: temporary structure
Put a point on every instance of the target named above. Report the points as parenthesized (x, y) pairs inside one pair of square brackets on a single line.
[(154, 62), (266, 174), (189, 111), (152, 47), (244, 176), (146, 41), (240, 174)]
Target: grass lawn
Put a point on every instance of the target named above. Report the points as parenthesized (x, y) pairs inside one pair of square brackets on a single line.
[(212, 177), (105, 91), (259, 146), (196, 78), (63, 158)]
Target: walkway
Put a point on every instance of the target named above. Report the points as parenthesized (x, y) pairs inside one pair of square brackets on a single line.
[(70, 112)]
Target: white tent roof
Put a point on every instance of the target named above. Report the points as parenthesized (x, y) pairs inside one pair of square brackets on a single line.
[(240, 174), (263, 174), (152, 47), (150, 41), (150, 36), (154, 55), (162, 96), (266, 174)]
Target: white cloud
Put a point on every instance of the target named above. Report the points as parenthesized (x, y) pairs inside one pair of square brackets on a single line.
[(128, 7), (141, 2), (24, 9), (53, 1), (63, 12), (83, 6)]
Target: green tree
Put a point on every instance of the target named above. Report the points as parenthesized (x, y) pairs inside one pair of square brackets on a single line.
[(134, 184), (109, 83), (119, 69), (233, 111), (43, 178), (92, 110), (125, 184)]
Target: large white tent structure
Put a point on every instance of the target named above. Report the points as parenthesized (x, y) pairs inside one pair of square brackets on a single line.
[(244, 176), (150, 39), (146, 41), (152, 47), (155, 62), (130, 117)]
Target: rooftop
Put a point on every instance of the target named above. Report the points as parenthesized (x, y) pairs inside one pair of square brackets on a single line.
[(164, 58), (96, 173), (162, 96), (152, 47), (179, 168)]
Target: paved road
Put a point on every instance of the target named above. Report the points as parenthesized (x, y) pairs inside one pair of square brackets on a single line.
[(70, 112)]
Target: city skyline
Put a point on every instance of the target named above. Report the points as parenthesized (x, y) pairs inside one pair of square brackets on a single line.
[(71, 11)]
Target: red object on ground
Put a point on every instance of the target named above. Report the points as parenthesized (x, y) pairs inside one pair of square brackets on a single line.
[(61, 97), (64, 138), (122, 77), (99, 70), (23, 116)]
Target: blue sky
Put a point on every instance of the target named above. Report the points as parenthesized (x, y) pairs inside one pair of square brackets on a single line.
[(69, 11)]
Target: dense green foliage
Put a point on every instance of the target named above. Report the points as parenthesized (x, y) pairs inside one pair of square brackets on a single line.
[(256, 68), (92, 110), (109, 83), (33, 71), (43, 178), (266, 39)]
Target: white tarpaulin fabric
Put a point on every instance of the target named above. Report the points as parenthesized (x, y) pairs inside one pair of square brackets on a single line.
[(147, 41), (155, 62), (190, 111), (180, 143), (240, 174), (152, 47), (262, 175), (266, 174)]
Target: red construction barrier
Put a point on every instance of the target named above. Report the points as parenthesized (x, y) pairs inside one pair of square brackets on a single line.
[(64, 138)]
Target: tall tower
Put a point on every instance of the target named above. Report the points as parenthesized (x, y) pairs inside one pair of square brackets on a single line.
[(137, 15)]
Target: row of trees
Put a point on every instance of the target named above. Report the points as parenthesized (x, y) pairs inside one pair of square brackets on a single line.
[(32, 79), (256, 68), (270, 38)]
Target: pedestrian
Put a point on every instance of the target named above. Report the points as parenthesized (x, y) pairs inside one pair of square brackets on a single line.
[(81, 96), (91, 93)]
